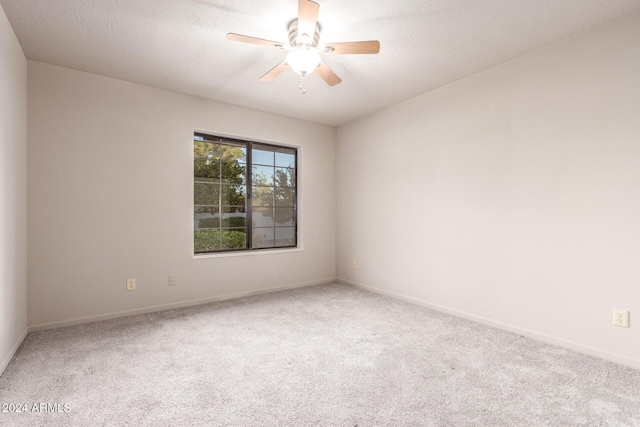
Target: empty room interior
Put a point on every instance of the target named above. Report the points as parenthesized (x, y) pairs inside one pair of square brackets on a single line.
[(286, 212)]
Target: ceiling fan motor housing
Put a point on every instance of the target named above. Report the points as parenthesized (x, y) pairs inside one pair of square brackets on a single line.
[(295, 40)]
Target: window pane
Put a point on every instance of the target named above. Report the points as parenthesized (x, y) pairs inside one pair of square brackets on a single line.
[(285, 236), (262, 175), (285, 197), (207, 209), (285, 216), (234, 239), (233, 153), (285, 159), (233, 172), (285, 177), (237, 210), (233, 195), (203, 170), (206, 240), (262, 157), (206, 218), (206, 150), (262, 196), (262, 217), (234, 217), (263, 237), (205, 194)]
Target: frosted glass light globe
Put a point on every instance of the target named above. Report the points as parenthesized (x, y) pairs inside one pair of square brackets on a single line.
[(303, 60)]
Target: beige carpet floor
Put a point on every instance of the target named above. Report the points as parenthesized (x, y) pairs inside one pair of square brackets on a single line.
[(327, 355)]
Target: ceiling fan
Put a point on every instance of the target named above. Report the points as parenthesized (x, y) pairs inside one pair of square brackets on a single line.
[(305, 52)]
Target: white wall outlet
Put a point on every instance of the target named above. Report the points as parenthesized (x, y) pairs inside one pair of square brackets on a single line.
[(131, 284), (621, 318), (354, 264), (172, 280)]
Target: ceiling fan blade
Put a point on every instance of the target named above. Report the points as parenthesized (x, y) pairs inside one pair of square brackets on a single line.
[(307, 17), (372, 46), (253, 40), (274, 72), (327, 74)]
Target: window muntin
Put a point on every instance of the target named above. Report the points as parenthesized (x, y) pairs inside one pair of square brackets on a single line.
[(245, 195)]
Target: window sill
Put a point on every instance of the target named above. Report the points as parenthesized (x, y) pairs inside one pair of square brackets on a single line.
[(247, 253)]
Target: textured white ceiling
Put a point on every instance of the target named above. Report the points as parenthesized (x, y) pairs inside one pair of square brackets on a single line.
[(180, 45)]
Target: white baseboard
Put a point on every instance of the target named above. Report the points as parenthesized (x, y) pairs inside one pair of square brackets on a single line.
[(560, 342), (13, 350), (181, 304)]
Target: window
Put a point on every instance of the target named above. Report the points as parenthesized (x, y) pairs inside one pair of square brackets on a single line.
[(244, 195)]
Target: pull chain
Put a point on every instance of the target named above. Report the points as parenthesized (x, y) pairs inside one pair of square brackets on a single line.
[(301, 87)]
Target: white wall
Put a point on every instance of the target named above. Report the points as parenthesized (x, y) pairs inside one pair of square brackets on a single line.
[(511, 197), (13, 193), (111, 197)]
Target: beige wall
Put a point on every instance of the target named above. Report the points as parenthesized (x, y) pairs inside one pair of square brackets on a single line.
[(511, 197), (13, 193), (111, 197)]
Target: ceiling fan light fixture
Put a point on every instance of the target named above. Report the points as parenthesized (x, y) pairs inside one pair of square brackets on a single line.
[(303, 60)]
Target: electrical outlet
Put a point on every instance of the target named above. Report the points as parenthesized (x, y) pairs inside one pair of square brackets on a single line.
[(131, 284), (354, 264), (172, 280), (621, 318)]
